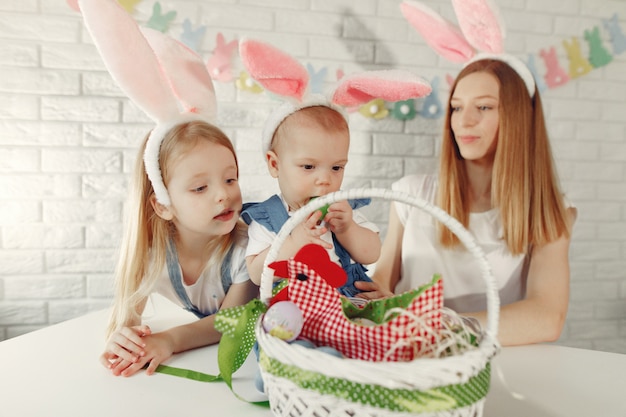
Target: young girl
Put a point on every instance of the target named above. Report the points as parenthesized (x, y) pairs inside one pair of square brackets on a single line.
[(191, 251), (497, 177), (183, 237)]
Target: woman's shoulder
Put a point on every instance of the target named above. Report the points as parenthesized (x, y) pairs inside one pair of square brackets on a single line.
[(420, 185)]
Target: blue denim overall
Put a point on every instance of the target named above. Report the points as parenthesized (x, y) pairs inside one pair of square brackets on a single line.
[(173, 270), (272, 215)]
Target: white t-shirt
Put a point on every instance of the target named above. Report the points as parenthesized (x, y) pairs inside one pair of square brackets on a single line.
[(260, 238), (423, 256), (207, 293)]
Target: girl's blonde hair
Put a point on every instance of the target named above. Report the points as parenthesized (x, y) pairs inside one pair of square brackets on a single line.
[(525, 186), (146, 235)]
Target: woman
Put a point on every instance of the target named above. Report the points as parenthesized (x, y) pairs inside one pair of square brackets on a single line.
[(496, 177)]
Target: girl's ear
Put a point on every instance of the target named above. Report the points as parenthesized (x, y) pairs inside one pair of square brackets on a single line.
[(272, 163), (161, 210)]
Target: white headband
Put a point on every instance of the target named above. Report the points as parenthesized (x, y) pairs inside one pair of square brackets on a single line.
[(514, 62), (288, 108)]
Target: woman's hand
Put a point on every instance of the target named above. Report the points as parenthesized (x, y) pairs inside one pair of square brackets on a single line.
[(371, 290)]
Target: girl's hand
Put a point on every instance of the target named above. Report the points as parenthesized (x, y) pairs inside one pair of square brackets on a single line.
[(339, 217), (126, 344), (158, 348)]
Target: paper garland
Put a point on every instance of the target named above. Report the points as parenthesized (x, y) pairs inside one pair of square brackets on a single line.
[(220, 64)]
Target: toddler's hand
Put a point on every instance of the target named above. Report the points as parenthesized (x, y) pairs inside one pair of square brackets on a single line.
[(309, 232), (339, 217)]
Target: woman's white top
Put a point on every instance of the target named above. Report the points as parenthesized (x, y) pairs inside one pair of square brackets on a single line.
[(423, 255), (207, 293)]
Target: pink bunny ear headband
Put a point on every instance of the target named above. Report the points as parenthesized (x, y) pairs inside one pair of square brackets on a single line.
[(164, 78), (481, 28), (281, 74)]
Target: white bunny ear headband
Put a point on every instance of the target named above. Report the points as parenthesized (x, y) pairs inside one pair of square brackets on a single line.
[(281, 74), (481, 28), (167, 80)]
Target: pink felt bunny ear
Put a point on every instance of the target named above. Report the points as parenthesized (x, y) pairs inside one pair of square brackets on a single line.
[(275, 70), (389, 85), (481, 24), (164, 78), (129, 58), (441, 35), (481, 28), (186, 73)]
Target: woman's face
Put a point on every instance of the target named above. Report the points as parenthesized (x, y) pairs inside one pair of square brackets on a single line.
[(475, 119)]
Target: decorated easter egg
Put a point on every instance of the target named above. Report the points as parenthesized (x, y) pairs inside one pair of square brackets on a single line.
[(283, 320)]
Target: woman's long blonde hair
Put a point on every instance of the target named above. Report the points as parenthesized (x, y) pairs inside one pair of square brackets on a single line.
[(146, 235), (525, 186)]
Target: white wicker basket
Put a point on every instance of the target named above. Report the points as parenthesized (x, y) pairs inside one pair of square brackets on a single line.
[(450, 386)]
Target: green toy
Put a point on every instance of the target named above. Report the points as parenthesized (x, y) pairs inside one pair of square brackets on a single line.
[(323, 209)]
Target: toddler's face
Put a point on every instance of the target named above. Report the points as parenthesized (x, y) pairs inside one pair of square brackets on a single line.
[(310, 162)]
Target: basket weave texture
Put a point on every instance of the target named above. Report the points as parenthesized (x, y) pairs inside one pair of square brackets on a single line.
[(306, 382)]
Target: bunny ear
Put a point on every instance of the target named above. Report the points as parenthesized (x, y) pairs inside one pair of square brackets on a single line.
[(440, 34), (481, 24), (275, 70), (186, 73), (128, 57), (389, 85)]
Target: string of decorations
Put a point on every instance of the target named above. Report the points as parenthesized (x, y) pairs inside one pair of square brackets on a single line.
[(220, 63)]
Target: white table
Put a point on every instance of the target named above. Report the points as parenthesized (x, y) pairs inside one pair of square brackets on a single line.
[(55, 372)]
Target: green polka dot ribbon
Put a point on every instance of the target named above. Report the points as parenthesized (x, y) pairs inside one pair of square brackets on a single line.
[(237, 327), (398, 400)]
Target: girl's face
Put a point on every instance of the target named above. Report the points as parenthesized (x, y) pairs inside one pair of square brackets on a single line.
[(310, 162), (204, 191), (475, 117)]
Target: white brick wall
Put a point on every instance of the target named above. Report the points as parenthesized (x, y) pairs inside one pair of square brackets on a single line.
[(68, 139)]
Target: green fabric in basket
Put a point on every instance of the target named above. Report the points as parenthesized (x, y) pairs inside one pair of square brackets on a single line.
[(400, 400), (376, 310)]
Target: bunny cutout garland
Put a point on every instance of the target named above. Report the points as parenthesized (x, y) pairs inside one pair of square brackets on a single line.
[(163, 77), (281, 74), (480, 29)]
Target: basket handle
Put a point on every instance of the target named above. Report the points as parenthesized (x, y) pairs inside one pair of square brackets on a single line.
[(493, 300)]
